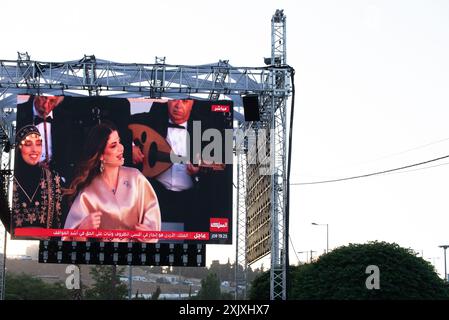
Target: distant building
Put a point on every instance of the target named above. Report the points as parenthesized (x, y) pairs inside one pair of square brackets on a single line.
[(33, 251), (173, 296)]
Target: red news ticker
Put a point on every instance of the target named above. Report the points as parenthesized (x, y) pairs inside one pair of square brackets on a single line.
[(119, 234), (220, 108), (218, 225)]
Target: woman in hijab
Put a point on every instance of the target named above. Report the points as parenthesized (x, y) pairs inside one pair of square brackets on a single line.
[(37, 191)]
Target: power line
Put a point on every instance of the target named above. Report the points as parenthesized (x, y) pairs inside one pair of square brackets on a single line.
[(417, 169), (371, 174), (393, 154), (294, 250), (407, 150)]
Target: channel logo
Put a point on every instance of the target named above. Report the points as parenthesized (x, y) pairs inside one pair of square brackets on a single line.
[(219, 225)]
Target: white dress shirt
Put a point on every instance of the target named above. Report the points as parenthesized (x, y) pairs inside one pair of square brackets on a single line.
[(40, 127), (177, 178)]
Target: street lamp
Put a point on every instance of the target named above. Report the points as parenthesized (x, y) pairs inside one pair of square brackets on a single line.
[(445, 269), (327, 233)]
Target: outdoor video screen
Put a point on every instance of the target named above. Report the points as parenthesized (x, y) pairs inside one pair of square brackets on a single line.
[(114, 169)]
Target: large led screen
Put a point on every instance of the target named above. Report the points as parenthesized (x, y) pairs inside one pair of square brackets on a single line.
[(122, 170)]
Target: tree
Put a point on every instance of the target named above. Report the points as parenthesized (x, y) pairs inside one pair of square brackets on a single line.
[(25, 287), (210, 288), (260, 287), (342, 274), (107, 284)]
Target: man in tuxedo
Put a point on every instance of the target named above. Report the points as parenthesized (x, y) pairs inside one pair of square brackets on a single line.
[(64, 123), (175, 187), (187, 192)]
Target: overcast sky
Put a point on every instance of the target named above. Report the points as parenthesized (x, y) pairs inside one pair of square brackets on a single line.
[(372, 81)]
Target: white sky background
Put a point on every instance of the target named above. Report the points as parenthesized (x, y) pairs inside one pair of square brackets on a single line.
[(372, 80)]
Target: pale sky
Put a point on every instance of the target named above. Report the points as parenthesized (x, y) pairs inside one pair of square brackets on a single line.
[(371, 83)]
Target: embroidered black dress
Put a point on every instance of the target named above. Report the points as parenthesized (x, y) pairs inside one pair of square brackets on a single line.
[(37, 197)]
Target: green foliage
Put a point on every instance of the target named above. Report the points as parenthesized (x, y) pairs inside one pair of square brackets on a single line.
[(25, 287), (210, 288), (260, 287), (107, 284), (227, 296), (341, 274)]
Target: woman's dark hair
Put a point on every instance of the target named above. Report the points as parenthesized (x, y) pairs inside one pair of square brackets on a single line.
[(89, 165)]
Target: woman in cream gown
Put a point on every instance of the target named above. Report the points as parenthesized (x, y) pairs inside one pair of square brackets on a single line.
[(109, 196)]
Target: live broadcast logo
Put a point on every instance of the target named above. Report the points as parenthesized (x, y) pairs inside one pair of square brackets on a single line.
[(220, 108)]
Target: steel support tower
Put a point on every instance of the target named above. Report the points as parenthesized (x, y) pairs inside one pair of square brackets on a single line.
[(262, 214), (2, 263), (92, 76), (241, 264), (279, 81), (6, 128)]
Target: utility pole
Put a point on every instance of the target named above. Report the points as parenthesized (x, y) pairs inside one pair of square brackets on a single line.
[(311, 255), (130, 282), (445, 266), (114, 289)]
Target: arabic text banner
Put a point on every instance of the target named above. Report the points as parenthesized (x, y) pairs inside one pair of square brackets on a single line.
[(151, 170)]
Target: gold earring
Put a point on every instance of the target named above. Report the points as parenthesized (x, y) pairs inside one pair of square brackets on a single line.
[(101, 166)]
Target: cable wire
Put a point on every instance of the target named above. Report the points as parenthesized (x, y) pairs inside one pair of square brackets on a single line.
[(408, 150), (289, 161), (294, 250), (417, 169), (370, 174), (400, 152)]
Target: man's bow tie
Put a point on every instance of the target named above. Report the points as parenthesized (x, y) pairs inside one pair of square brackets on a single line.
[(38, 120), (174, 125)]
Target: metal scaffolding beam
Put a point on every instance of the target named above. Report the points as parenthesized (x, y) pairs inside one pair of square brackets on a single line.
[(220, 79), (155, 80), (92, 76)]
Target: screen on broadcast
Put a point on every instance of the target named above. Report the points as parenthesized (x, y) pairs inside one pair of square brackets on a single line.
[(115, 169)]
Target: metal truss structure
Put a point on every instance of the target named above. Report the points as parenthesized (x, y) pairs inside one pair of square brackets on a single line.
[(241, 263), (133, 79), (2, 264), (267, 187), (6, 129), (279, 82), (91, 76)]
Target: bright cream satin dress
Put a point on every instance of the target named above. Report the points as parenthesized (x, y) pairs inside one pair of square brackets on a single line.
[(134, 202)]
